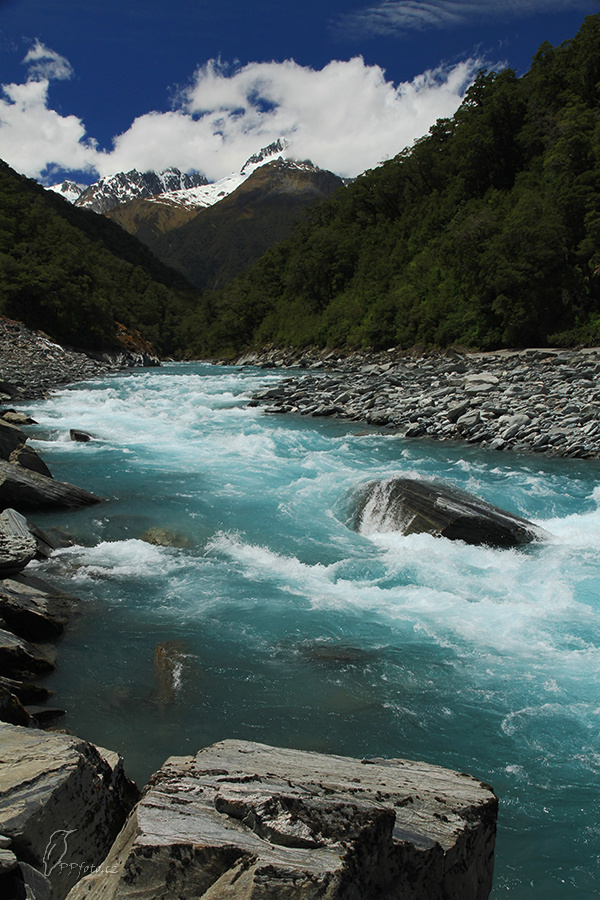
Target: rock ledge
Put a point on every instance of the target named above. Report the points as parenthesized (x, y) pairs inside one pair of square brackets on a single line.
[(247, 821)]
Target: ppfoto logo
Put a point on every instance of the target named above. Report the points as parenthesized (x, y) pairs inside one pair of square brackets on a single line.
[(56, 850)]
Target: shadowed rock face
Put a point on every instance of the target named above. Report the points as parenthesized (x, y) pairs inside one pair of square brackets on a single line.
[(411, 506), (245, 821)]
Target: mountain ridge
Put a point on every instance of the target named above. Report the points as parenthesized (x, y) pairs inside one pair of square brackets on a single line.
[(171, 186), (211, 245)]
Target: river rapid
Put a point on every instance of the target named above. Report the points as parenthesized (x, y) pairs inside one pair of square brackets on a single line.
[(279, 623)]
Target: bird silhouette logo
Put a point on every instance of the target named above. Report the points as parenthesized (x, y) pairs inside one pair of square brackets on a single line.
[(56, 850)]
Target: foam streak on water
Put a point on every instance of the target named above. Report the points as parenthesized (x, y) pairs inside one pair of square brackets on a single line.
[(270, 619)]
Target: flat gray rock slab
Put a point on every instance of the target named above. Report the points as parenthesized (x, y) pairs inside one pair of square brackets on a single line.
[(24, 489), (62, 802), (243, 820)]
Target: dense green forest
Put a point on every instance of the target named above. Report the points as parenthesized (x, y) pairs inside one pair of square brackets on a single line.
[(485, 233), (74, 274)]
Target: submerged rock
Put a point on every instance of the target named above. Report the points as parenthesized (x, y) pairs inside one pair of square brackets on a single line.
[(411, 506), (165, 537), (169, 661), (247, 821), (62, 802)]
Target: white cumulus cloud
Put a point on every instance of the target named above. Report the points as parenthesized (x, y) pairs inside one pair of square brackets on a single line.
[(390, 16), (346, 117)]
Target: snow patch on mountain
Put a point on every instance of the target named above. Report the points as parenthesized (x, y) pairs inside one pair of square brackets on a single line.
[(70, 190), (209, 194), (171, 187)]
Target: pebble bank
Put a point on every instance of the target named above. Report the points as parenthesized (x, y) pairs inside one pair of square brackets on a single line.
[(544, 401)]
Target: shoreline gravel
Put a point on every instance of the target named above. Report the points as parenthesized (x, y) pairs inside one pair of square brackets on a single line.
[(539, 400), (543, 401), (32, 364)]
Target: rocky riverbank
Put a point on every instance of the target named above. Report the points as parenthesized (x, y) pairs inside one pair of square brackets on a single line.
[(543, 401), (31, 363)]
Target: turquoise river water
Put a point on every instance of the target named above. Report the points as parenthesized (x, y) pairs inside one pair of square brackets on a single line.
[(288, 627)]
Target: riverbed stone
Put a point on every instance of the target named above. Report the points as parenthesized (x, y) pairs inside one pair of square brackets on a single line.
[(245, 821), (33, 608), (18, 546), (28, 458), (427, 395), (20, 656), (11, 437), (62, 802), (11, 708)]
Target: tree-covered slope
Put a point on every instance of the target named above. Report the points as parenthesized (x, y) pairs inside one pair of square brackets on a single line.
[(74, 274), (486, 232)]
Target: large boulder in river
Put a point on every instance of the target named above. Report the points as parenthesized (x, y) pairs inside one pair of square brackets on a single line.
[(245, 821), (412, 506), (62, 802), (24, 489)]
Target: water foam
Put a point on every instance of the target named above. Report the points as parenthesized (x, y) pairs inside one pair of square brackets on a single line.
[(482, 659)]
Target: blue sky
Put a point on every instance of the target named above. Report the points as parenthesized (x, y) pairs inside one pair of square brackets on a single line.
[(97, 86)]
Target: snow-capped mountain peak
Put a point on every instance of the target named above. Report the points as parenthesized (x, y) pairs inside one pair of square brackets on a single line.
[(115, 190), (70, 190), (209, 194), (267, 153), (170, 187)]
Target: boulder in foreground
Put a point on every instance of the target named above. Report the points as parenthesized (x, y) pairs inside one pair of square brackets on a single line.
[(411, 506), (62, 802), (245, 821)]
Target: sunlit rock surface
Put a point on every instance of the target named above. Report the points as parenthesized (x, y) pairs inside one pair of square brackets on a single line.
[(62, 802), (244, 820)]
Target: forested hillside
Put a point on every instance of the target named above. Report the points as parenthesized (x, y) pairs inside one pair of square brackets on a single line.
[(486, 232), (73, 274)]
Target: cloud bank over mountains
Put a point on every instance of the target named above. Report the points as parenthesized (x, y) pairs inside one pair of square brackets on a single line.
[(345, 117)]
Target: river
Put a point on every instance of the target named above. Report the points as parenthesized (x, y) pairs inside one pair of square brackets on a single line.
[(281, 624)]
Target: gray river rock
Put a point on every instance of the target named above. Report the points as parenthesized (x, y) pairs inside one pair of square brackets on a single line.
[(413, 506), (538, 400), (245, 821), (25, 489), (62, 803)]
